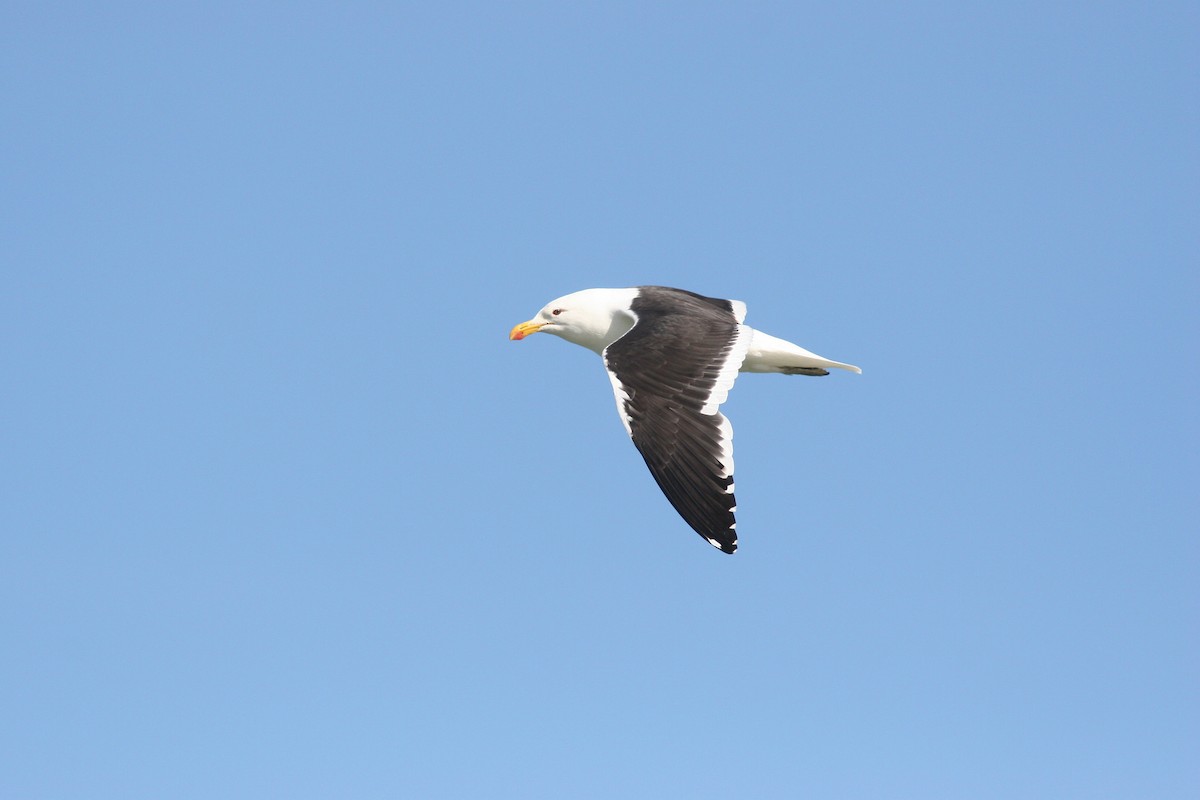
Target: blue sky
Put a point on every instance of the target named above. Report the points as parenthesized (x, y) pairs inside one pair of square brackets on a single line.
[(286, 515)]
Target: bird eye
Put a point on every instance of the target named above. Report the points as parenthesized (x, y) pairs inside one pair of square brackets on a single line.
[(556, 311)]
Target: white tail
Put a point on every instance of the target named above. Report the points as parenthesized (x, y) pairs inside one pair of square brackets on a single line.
[(768, 354)]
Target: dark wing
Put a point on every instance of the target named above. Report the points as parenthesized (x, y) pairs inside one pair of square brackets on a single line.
[(670, 373)]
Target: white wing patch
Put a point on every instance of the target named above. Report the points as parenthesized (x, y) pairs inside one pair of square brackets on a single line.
[(622, 398), (739, 310), (729, 370)]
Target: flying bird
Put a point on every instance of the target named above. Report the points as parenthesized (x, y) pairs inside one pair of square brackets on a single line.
[(672, 357)]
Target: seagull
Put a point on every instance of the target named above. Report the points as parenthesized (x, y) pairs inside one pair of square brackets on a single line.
[(672, 356)]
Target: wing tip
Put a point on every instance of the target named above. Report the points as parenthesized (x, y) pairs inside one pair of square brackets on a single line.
[(728, 548)]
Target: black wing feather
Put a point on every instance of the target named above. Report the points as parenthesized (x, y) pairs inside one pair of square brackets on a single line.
[(668, 364)]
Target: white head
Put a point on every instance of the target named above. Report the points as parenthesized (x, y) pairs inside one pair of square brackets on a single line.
[(593, 318)]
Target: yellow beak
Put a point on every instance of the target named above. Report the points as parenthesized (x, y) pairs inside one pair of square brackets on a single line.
[(524, 329)]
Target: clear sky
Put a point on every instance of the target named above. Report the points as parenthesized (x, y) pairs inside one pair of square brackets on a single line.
[(285, 514)]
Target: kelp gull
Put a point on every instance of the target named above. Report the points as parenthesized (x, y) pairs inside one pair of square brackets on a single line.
[(672, 357)]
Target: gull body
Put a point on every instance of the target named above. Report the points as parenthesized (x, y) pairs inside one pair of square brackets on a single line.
[(595, 318), (672, 357)]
